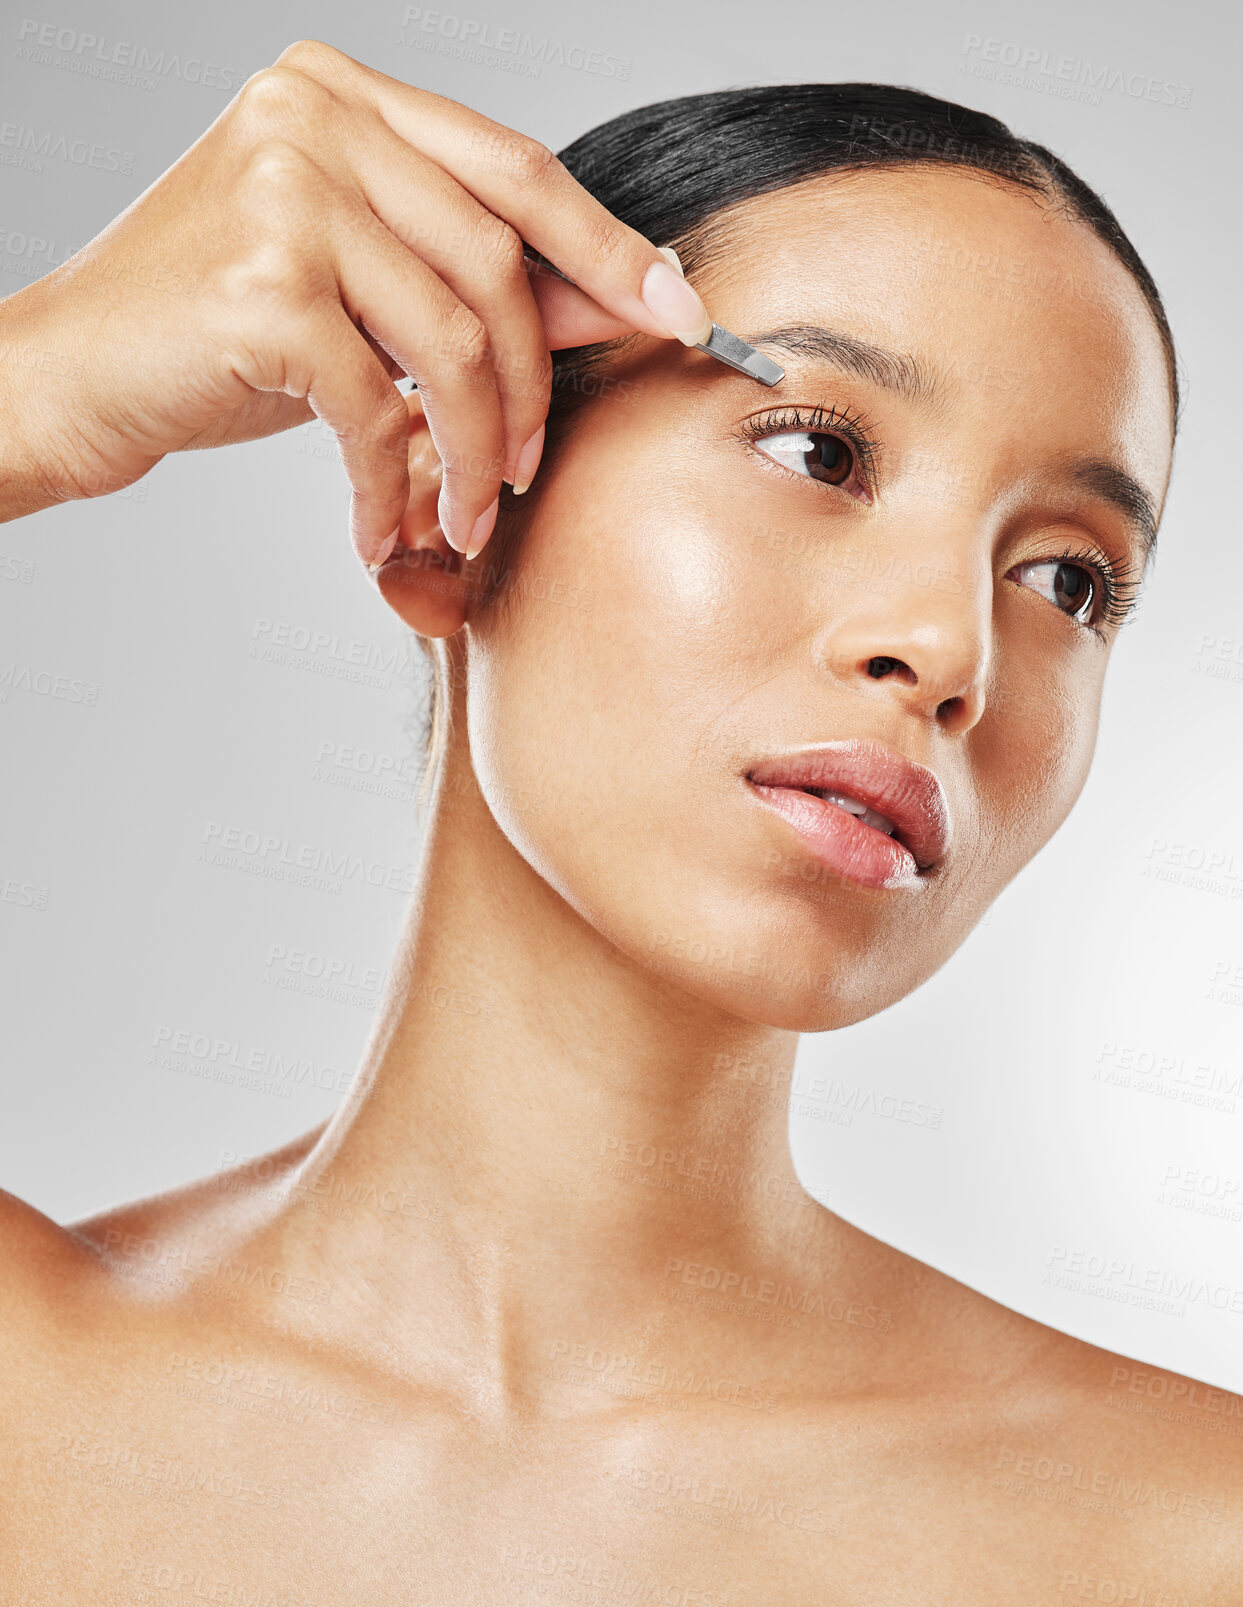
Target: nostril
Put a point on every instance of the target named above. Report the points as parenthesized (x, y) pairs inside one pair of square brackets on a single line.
[(880, 666)]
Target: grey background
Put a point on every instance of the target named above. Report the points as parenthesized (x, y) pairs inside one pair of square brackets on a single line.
[(1078, 1066)]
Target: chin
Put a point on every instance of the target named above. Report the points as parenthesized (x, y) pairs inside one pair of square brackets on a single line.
[(830, 974)]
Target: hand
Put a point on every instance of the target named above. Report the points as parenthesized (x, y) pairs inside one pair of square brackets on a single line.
[(333, 230)]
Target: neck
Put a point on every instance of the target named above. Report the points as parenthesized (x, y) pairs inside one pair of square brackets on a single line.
[(569, 1124)]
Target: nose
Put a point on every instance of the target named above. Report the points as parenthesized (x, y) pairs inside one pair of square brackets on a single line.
[(920, 635)]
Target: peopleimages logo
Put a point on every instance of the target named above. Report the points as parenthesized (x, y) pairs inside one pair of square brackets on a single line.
[(470, 37), (21, 146), (1070, 77), (96, 56), (67, 688), (235, 845)]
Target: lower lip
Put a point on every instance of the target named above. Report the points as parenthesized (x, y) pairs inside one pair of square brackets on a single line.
[(855, 851)]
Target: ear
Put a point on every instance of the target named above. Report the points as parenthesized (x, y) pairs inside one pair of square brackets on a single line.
[(424, 581)]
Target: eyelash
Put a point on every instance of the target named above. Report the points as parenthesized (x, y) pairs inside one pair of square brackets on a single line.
[(1117, 584)]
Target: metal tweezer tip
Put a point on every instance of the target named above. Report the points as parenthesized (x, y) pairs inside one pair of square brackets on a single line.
[(729, 349), (720, 343)]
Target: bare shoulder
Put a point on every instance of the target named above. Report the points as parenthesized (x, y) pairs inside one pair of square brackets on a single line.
[(191, 1212), (1187, 1426), (1074, 1391), (1125, 1476), (62, 1280), (1067, 1391), (49, 1283), (39, 1261), (1141, 1450)]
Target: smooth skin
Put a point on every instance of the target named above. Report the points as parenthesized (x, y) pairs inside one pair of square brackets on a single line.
[(333, 230), (465, 1342)]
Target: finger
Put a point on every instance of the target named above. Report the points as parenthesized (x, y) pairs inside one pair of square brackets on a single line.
[(569, 316), (444, 347), (522, 181), (350, 390), (478, 257)]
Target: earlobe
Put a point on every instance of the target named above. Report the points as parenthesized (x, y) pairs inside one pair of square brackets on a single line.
[(423, 582)]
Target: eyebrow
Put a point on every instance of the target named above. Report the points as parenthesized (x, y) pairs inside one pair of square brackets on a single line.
[(1121, 490), (906, 376), (899, 372)]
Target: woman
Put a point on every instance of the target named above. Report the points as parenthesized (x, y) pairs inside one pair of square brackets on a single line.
[(745, 714)]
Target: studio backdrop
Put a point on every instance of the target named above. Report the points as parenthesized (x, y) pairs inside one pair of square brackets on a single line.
[(212, 725)]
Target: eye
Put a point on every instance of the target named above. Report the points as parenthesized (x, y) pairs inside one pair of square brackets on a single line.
[(816, 455), (1071, 587)]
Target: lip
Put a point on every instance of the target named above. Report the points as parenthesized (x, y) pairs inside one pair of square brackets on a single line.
[(908, 794)]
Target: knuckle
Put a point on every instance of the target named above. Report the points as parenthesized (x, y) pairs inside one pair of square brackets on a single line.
[(466, 336), (271, 269), (501, 244), (269, 94), (282, 95), (275, 167), (526, 161), (310, 55), (372, 490), (528, 377), (369, 445), (391, 423), (605, 241)]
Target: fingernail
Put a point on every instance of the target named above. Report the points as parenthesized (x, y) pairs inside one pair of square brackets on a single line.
[(482, 528), (528, 462), (674, 260), (674, 303), (385, 552)]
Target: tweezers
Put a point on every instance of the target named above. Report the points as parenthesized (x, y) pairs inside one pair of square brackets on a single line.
[(726, 348)]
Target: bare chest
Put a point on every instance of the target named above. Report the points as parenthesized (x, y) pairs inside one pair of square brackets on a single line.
[(227, 1495)]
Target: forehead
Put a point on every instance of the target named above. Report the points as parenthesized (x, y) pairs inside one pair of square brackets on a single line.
[(1024, 313)]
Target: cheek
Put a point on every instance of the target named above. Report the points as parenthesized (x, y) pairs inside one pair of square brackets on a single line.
[(605, 673), (603, 708), (1033, 752)]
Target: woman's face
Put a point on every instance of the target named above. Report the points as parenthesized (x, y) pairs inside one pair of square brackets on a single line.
[(714, 588)]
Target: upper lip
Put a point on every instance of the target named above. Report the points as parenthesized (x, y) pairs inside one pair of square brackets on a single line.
[(908, 794)]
